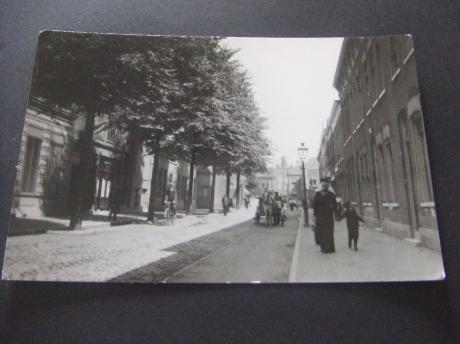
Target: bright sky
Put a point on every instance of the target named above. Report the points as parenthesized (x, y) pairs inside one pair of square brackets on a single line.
[(292, 80)]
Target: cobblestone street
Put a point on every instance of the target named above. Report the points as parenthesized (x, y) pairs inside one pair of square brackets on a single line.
[(215, 248), (100, 254)]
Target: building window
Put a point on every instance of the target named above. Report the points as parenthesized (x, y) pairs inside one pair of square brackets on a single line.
[(422, 176), (379, 79), (372, 76), (383, 173), (110, 134), (359, 101), (352, 194), (407, 46), (367, 93), (346, 114), (395, 53), (57, 149), (386, 156), (31, 163)]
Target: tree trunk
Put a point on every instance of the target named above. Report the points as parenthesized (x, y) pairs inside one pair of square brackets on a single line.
[(238, 175), (190, 184), (80, 201), (153, 181), (165, 184), (227, 186), (213, 188)]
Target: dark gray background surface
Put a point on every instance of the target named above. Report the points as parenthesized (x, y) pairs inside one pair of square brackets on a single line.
[(342, 313)]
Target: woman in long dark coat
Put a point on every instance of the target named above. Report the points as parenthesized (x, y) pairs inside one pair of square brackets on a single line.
[(324, 205)]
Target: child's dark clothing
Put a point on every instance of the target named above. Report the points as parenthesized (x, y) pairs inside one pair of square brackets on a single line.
[(353, 219)]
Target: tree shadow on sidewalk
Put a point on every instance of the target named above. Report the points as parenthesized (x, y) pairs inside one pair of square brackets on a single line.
[(26, 226)]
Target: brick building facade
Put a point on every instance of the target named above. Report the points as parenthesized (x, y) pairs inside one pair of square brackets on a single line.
[(376, 151)]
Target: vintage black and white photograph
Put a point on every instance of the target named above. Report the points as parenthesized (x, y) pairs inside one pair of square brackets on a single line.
[(167, 159)]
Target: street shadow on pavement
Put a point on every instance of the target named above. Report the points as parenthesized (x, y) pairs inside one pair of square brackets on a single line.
[(183, 255), (26, 226)]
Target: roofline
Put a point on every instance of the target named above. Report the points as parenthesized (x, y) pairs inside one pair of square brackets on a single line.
[(340, 61)]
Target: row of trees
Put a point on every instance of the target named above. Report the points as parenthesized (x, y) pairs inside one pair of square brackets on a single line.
[(185, 98)]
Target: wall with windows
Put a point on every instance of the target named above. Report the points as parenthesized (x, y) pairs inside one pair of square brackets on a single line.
[(41, 167), (383, 166)]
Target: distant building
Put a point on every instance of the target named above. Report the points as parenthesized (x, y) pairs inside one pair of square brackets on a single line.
[(331, 148), (263, 182), (312, 174), (283, 178), (374, 146)]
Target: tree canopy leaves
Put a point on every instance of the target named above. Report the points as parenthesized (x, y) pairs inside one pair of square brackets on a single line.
[(182, 96)]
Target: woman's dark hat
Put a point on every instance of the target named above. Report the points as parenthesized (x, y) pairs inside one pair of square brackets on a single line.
[(325, 180)]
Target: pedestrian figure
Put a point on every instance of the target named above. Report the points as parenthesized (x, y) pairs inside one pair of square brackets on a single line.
[(260, 210), (114, 204), (246, 201), (276, 209), (171, 198), (283, 216), (225, 204), (324, 205), (268, 208), (353, 219), (339, 208)]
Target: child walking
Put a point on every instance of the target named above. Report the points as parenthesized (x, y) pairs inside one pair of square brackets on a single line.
[(353, 219)]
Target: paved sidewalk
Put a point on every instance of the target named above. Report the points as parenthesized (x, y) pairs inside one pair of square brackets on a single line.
[(102, 253), (381, 257), (42, 224)]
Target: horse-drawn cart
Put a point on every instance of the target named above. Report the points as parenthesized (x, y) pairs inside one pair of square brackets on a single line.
[(260, 217), (267, 216)]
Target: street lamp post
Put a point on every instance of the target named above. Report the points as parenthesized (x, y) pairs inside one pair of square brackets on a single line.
[(303, 152)]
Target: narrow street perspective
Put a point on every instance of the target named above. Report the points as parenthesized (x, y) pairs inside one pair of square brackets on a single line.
[(214, 248), (161, 159), (241, 253)]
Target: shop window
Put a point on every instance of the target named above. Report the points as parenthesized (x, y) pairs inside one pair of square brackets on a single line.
[(31, 163)]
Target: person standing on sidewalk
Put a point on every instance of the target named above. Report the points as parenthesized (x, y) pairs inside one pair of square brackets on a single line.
[(114, 204), (324, 205), (225, 204), (353, 219), (171, 198)]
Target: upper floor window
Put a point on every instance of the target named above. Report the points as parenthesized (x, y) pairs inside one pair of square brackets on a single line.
[(379, 73), (407, 46), (395, 51)]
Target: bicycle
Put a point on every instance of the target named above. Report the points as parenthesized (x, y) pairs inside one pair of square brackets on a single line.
[(169, 213)]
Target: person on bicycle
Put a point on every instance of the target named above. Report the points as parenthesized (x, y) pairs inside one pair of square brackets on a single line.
[(171, 198)]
